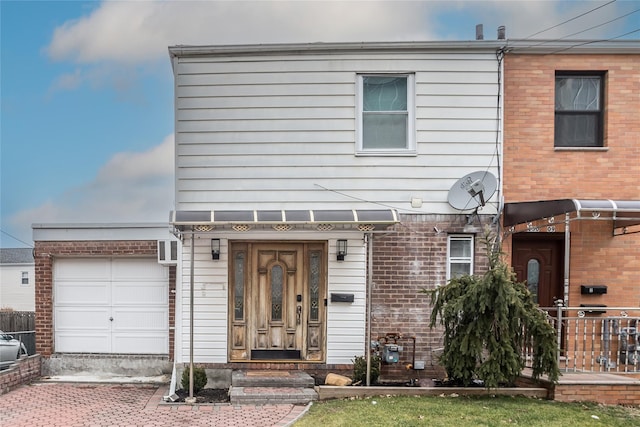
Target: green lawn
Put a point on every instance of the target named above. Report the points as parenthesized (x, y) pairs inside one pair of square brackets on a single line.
[(465, 411)]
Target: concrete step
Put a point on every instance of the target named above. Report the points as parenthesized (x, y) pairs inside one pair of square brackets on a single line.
[(272, 395), (291, 379)]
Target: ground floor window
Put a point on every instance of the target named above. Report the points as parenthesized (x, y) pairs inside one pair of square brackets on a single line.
[(459, 255)]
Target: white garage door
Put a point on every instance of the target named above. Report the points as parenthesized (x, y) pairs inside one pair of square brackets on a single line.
[(111, 305)]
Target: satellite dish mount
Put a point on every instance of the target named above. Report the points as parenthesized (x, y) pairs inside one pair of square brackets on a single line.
[(476, 188), (472, 191)]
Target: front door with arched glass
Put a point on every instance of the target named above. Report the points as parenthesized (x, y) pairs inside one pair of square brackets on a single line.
[(539, 260), (277, 301)]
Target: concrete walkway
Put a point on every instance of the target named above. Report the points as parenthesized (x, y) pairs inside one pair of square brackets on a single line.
[(50, 404)]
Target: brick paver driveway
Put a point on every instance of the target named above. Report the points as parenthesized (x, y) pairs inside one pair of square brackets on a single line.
[(66, 404)]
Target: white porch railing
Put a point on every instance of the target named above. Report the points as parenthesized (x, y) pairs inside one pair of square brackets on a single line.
[(596, 339)]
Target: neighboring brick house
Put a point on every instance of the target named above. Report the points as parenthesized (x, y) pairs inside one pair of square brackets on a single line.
[(571, 181)]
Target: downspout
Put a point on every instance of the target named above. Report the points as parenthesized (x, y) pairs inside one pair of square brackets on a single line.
[(567, 258), (191, 282), (500, 143), (369, 241)]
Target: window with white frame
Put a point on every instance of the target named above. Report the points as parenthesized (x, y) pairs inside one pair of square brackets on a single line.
[(459, 255), (386, 114), (25, 278)]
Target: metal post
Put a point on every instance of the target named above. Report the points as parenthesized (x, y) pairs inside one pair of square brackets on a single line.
[(369, 240), (559, 328), (567, 258), (191, 282)]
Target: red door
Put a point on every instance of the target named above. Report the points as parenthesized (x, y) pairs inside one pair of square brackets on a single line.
[(539, 260)]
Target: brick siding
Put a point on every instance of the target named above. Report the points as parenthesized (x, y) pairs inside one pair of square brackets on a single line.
[(535, 170), (412, 257)]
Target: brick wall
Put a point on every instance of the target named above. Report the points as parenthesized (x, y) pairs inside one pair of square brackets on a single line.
[(46, 252), (25, 370), (598, 258), (608, 394), (535, 170), (410, 258)]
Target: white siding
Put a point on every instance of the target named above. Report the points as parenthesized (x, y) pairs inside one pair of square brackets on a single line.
[(345, 322), (13, 294), (268, 132), (210, 304)]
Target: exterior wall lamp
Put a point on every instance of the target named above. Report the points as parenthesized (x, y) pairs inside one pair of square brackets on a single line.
[(215, 248), (341, 250)]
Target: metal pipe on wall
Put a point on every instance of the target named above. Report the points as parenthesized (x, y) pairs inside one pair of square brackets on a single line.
[(191, 283), (567, 258), (369, 241)]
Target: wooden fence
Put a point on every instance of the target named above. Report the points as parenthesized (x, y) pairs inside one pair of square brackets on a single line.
[(22, 325)]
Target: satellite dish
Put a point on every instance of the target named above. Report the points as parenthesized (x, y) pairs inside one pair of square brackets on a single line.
[(472, 190)]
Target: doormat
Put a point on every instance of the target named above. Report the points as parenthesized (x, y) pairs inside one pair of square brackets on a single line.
[(275, 355)]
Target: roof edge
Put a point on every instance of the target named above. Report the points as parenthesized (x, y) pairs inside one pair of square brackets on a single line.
[(336, 47), (573, 47), (111, 225), (513, 46)]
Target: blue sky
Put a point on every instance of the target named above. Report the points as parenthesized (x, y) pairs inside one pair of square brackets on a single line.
[(86, 125)]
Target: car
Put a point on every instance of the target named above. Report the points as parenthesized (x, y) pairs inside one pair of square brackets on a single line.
[(10, 350)]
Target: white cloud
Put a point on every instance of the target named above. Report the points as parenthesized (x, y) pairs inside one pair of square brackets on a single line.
[(68, 81), (130, 167), (135, 32), (130, 187), (138, 32)]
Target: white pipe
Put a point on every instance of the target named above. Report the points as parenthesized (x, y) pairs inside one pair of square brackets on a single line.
[(172, 396)]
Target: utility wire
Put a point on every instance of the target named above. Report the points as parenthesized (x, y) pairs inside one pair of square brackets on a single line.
[(584, 31), (600, 25), (15, 238), (364, 200), (596, 41), (569, 20)]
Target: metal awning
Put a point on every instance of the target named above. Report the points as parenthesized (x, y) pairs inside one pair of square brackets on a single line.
[(623, 213), (363, 220)]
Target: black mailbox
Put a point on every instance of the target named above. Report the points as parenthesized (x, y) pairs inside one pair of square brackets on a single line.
[(341, 297), (593, 289), (594, 308)]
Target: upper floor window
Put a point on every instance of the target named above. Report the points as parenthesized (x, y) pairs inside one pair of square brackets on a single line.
[(386, 114), (25, 278), (459, 255), (579, 110)]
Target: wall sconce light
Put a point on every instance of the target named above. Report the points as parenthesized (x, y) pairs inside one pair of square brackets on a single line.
[(341, 250), (215, 248)]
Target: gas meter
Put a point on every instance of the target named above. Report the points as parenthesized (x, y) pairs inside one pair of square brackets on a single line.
[(391, 353)]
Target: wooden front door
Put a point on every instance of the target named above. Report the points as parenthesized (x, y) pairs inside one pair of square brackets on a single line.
[(277, 301), (540, 262)]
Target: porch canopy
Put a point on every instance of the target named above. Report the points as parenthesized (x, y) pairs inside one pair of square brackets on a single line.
[(623, 213), (363, 220)]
